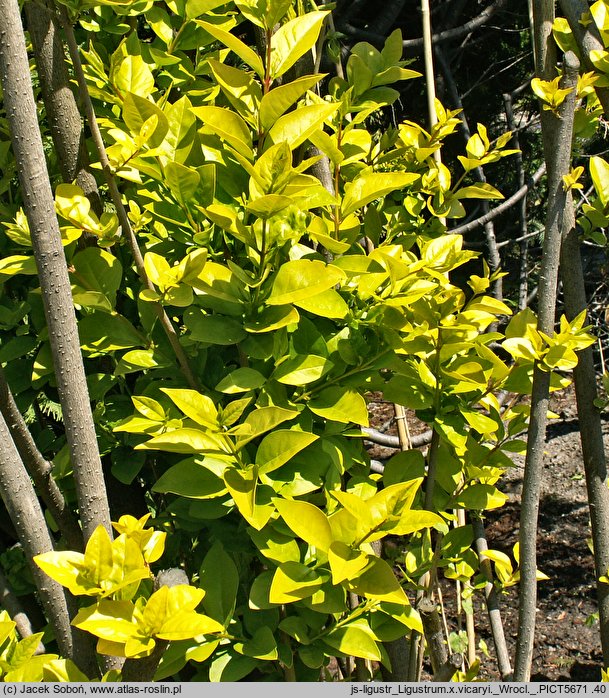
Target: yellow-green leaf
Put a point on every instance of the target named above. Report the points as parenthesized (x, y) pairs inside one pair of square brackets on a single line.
[(306, 521)]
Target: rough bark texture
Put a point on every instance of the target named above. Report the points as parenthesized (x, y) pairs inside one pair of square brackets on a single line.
[(38, 468), (591, 433), (557, 145), (63, 116), (588, 39), (24, 509), (492, 604), (54, 282)]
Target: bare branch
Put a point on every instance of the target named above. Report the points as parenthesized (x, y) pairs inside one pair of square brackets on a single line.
[(118, 202), (416, 45), (503, 207)]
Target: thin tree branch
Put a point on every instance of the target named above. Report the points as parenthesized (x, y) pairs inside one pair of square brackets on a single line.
[(39, 468), (11, 604), (494, 258), (503, 207), (117, 199), (62, 114), (492, 603), (416, 45), (24, 510), (390, 441)]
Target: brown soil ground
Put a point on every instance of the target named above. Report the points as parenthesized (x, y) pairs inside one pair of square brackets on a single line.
[(567, 646)]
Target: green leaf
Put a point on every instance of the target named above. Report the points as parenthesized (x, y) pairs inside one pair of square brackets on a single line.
[(241, 381), (293, 39), (268, 206), (137, 110), (293, 581), (231, 667), (262, 646), (185, 441), (200, 408), (300, 279), (328, 303), (371, 186), (278, 100), (279, 447), (213, 329), (18, 264), (275, 546), (307, 521), (190, 478), (132, 74), (599, 171), (182, 130), (95, 269), (355, 639), (252, 500), (103, 333), (220, 579), (340, 405), (481, 497), (183, 182), (240, 88), (245, 53), (480, 190), (379, 582), (228, 125), (295, 127), (302, 369), (196, 8), (263, 419), (345, 562)]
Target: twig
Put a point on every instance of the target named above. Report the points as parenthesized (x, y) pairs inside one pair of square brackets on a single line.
[(494, 258), (390, 441), (117, 199), (502, 207), (417, 44), (523, 273), (492, 603), (11, 604), (24, 510)]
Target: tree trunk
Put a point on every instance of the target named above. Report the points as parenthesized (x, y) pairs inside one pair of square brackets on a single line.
[(557, 143), (38, 468), (24, 509), (591, 432), (63, 116), (50, 260)]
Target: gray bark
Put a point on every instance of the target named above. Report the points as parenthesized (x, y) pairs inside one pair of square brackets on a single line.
[(557, 141), (590, 429), (63, 116), (587, 38), (52, 269), (492, 604), (38, 468), (24, 509)]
